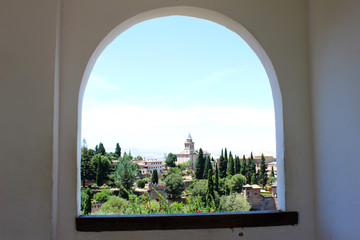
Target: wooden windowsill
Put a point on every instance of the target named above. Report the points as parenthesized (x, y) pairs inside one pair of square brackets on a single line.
[(97, 223)]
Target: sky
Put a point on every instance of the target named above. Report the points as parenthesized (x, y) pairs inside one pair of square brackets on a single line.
[(167, 77)]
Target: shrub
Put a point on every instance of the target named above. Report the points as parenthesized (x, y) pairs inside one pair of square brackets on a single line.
[(234, 203), (200, 189), (104, 186), (83, 199), (140, 183), (102, 196), (237, 182), (113, 205), (174, 185), (177, 207)]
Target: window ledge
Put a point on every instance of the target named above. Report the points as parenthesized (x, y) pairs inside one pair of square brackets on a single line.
[(99, 223)]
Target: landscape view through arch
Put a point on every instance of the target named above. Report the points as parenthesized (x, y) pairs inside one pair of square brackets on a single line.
[(178, 117)]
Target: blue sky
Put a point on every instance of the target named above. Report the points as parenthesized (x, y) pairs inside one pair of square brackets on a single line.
[(168, 76)]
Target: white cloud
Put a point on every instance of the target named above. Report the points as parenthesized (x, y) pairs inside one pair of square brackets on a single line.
[(162, 128)]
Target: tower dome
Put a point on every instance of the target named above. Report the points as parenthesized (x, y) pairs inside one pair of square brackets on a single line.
[(189, 137)]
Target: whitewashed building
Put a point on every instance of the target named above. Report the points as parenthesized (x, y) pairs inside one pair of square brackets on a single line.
[(189, 152), (147, 166)]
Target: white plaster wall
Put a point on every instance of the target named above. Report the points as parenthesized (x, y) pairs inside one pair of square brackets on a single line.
[(279, 26), (28, 86), (27, 69), (335, 45)]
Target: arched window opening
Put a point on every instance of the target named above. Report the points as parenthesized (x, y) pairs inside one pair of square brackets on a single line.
[(152, 84)]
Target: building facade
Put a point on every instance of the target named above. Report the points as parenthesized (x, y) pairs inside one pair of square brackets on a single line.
[(147, 166), (189, 152)]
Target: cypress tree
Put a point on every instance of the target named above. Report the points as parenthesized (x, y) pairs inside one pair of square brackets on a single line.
[(222, 166), (87, 207), (210, 189), (154, 177), (230, 165), (87, 168), (254, 179), (226, 159), (237, 165), (200, 164), (216, 178), (243, 170), (118, 150), (263, 177), (272, 174), (207, 167), (125, 179), (101, 149), (99, 172), (251, 169)]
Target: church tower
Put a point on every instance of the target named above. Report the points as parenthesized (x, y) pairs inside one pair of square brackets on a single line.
[(189, 145)]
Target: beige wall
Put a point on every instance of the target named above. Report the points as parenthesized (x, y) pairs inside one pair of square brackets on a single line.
[(27, 70), (28, 109), (335, 57)]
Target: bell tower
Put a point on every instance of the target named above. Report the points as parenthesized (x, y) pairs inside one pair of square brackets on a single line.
[(189, 145)]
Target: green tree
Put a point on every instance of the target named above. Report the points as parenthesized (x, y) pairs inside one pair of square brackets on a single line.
[(99, 171), (243, 170), (234, 203), (208, 167), (173, 170), (102, 196), (174, 186), (216, 178), (154, 177), (222, 166), (113, 204), (200, 164), (210, 194), (263, 177), (100, 149), (237, 165), (230, 166), (96, 149), (200, 189), (251, 168), (254, 179), (170, 160), (87, 168), (118, 150), (140, 184), (127, 157), (237, 182), (102, 166), (125, 172), (226, 161), (87, 206), (272, 174)]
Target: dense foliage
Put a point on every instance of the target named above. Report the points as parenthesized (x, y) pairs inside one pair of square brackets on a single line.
[(154, 177), (200, 164), (171, 160), (217, 183), (234, 203), (174, 186)]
